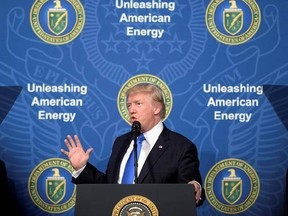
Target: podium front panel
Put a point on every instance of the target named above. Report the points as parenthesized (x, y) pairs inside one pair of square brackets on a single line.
[(111, 199)]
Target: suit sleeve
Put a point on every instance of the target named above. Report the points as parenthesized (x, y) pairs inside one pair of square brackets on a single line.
[(189, 168), (90, 175)]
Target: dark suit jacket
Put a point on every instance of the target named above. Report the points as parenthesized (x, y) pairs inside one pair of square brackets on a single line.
[(286, 193), (4, 180), (173, 159), (8, 203)]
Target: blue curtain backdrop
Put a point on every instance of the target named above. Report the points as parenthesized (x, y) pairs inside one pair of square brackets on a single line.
[(86, 43)]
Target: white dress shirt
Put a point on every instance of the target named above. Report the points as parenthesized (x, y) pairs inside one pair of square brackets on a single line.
[(151, 137)]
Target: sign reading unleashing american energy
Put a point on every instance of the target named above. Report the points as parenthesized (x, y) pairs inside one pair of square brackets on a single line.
[(57, 102), (232, 101), (135, 21)]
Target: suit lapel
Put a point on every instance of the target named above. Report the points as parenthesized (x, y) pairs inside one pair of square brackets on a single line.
[(118, 158), (159, 148)]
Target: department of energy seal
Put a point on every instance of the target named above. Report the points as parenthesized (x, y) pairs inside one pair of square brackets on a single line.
[(135, 205), (143, 78), (57, 22), (233, 22), (48, 187), (232, 186)]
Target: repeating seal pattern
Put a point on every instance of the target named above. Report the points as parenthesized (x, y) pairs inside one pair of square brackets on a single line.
[(143, 78), (233, 193), (135, 205), (233, 22), (57, 22), (48, 187)]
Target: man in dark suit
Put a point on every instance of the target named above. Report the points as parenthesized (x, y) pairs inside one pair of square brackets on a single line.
[(8, 203), (286, 201), (4, 181), (165, 156)]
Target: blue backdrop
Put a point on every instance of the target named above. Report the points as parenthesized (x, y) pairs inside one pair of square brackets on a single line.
[(90, 47)]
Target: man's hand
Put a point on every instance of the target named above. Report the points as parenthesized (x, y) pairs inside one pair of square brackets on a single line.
[(198, 191), (76, 154)]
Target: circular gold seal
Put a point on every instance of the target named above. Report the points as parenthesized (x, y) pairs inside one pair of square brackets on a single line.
[(233, 22), (143, 78), (135, 205), (48, 187), (57, 22), (232, 186)]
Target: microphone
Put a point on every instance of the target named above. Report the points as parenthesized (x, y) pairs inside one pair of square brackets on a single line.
[(136, 128)]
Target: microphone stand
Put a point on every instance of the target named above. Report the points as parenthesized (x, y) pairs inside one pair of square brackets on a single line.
[(135, 159), (136, 127)]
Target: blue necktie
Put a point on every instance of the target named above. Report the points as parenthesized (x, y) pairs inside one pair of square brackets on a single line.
[(128, 175)]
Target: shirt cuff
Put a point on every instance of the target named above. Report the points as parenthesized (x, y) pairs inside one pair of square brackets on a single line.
[(76, 173)]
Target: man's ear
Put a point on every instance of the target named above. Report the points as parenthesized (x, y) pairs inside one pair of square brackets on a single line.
[(157, 108)]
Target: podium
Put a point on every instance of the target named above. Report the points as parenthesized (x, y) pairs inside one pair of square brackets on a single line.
[(137, 199)]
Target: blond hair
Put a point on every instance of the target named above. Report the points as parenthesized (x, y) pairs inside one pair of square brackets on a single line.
[(154, 91)]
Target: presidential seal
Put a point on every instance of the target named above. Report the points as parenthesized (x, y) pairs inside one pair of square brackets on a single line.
[(135, 205), (232, 186), (48, 187), (233, 22), (57, 22), (143, 78)]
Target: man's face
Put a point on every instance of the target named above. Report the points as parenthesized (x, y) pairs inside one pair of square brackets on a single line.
[(142, 108)]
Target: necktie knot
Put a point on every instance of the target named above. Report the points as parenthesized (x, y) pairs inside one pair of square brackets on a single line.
[(139, 144), (140, 139)]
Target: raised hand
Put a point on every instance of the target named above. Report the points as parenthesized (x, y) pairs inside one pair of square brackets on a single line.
[(76, 154)]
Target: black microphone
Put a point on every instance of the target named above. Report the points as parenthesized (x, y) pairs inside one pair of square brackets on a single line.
[(136, 128)]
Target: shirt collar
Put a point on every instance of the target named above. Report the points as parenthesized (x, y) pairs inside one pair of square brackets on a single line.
[(152, 135)]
